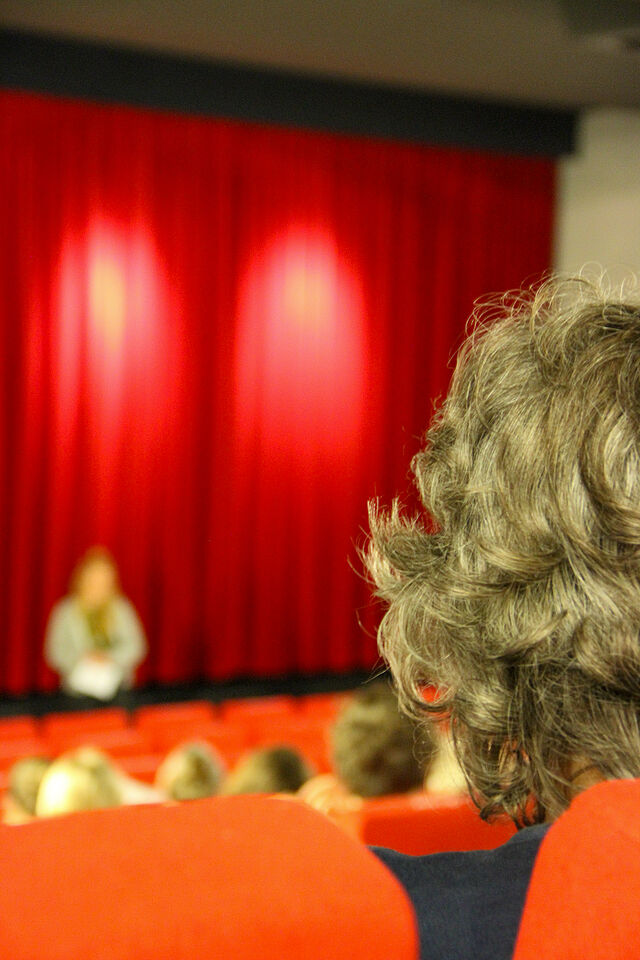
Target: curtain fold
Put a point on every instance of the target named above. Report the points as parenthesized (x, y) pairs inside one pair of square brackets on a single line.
[(218, 340)]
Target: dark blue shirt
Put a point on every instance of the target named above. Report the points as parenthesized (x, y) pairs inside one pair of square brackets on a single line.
[(468, 905)]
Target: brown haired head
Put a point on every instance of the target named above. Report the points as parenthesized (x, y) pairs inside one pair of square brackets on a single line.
[(519, 596), (278, 769), (376, 749)]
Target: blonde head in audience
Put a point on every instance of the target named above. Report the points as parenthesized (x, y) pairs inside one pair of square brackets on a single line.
[(519, 593), (82, 780), (376, 749), (190, 772), (25, 778), (278, 769)]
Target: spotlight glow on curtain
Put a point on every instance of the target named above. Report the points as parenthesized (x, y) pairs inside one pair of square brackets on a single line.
[(217, 341), (300, 352)]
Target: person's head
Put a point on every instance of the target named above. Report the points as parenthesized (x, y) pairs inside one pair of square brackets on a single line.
[(94, 581), (376, 749), (189, 772), (25, 778), (82, 780), (269, 770), (519, 594)]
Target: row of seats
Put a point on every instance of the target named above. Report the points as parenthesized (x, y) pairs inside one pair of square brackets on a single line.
[(139, 740), (411, 823)]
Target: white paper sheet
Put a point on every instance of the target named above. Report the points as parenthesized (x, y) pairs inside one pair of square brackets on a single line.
[(96, 678)]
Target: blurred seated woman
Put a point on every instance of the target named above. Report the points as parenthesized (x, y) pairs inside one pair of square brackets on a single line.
[(278, 769), (376, 751), (20, 799), (190, 772), (94, 637)]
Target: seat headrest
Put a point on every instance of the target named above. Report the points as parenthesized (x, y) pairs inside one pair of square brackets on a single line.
[(240, 877), (584, 896)]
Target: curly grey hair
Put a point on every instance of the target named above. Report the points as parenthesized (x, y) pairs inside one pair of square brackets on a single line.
[(519, 593)]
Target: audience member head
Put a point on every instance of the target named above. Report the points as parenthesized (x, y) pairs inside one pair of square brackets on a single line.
[(25, 778), (82, 780), (269, 770), (518, 593), (376, 749), (94, 581), (191, 771)]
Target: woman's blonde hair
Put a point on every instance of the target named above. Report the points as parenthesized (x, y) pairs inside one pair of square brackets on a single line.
[(519, 593), (82, 780), (94, 555)]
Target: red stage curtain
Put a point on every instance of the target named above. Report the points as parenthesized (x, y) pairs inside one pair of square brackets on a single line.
[(217, 341)]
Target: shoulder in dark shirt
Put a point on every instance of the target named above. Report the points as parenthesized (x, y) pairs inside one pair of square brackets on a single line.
[(468, 905)]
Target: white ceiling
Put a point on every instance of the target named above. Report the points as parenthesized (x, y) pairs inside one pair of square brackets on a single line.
[(517, 50)]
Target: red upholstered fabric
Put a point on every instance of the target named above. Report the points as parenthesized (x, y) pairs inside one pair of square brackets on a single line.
[(17, 748), (71, 722), (323, 705), (172, 713), (584, 898), (142, 767), (307, 734), (420, 823), (117, 743), (228, 878), (254, 709), (18, 728), (227, 740)]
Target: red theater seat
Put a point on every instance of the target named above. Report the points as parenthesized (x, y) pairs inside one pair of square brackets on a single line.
[(324, 707), (57, 725), (18, 728), (422, 823), (142, 766), (303, 733), (191, 711), (254, 709), (584, 897), (229, 741), (12, 750), (117, 743), (230, 878)]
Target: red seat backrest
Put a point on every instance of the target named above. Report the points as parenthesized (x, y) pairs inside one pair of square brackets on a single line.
[(189, 711), (142, 766), (18, 728), (117, 743), (12, 750), (229, 741), (65, 724), (584, 897), (421, 823), (252, 709), (233, 878), (324, 706)]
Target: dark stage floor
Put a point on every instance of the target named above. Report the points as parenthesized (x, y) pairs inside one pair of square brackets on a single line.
[(38, 704)]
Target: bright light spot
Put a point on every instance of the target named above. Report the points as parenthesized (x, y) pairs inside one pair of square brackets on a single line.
[(307, 295), (300, 349), (112, 309), (107, 300)]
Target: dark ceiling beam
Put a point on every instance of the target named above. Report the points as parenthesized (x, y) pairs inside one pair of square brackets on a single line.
[(94, 71)]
